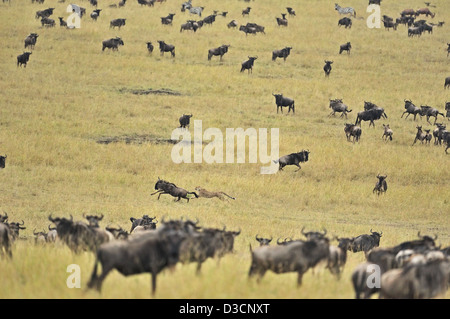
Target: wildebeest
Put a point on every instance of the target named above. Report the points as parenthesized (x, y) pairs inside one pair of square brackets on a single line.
[(352, 130), (5, 240), (149, 47), (282, 21), (415, 31), (219, 51), (366, 242), (293, 159), (371, 113), (296, 256), (77, 235), (23, 59), (168, 19), (256, 27), (30, 40), (117, 23), (345, 47), (112, 44), (429, 111), (448, 50), (283, 53), (164, 47), (313, 235), (338, 106), (148, 253), (3, 161), (62, 23), (425, 11), (232, 24), (381, 185), (283, 101), (327, 67), (411, 109), (263, 241), (447, 80), (189, 25), (447, 108), (248, 64), (185, 120), (164, 187), (408, 12), (387, 133), (347, 22), (438, 133), (95, 14), (338, 256), (186, 5), (246, 11), (375, 2), (290, 11), (47, 22), (44, 13), (390, 24), (210, 19), (145, 220)]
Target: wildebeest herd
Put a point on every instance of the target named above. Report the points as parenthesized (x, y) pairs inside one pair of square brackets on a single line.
[(404, 266)]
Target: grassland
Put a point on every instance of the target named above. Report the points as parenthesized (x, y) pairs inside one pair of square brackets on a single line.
[(72, 95)]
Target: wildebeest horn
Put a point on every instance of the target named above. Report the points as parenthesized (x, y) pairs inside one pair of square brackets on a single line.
[(325, 231), (71, 217), (50, 218), (101, 217), (435, 236), (256, 237), (34, 232), (303, 232), (418, 234)]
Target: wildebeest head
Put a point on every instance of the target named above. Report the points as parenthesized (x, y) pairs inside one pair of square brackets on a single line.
[(3, 161), (3, 218), (15, 227), (263, 241), (314, 235), (93, 219)]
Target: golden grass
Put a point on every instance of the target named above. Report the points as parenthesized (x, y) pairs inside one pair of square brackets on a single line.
[(69, 96)]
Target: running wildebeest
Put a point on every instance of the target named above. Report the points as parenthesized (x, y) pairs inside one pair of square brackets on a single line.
[(168, 19), (381, 185), (338, 106), (47, 22), (44, 13), (219, 51), (246, 11), (189, 25), (346, 22), (149, 47), (415, 31), (30, 40), (112, 44), (185, 120), (293, 159), (345, 47), (3, 161), (23, 59), (366, 242), (411, 109), (164, 187), (447, 80), (327, 67), (232, 24), (95, 14), (248, 65), (420, 135), (429, 111), (290, 11), (164, 47), (283, 53), (117, 23), (352, 130), (370, 114), (282, 21), (282, 101), (387, 133)]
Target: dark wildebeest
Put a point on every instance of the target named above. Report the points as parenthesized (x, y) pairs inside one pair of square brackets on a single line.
[(381, 185), (338, 106), (296, 256), (3, 161), (345, 47), (352, 130), (168, 19), (232, 24), (95, 14), (387, 133), (117, 23), (283, 53), (23, 59), (338, 256), (420, 135), (411, 109), (282, 21), (446, 139), (290, 11), (390, 24), (415, 31), (149, 253), (210, 19), (62, 23), (219, 51), (164, 47), (327, 67), (164, 187), (247, 30), (47, 22), (375, 2), (408, 12), (145, 220), (44, 13), (256, 27), (149, 47), (5, 240), (429, 111), (189, 25), (263, 241), (347, 22), (30, 40), (293, 159), (425, 11), (112, 44), (248, 65), (438, 133), (282, 101), (366, 242), (371, 113), (448, 51), (185, 120), (447, 80), (246, 11)]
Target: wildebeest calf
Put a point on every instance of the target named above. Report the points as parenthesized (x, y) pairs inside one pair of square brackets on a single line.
[(381, 185), (293, 159), (185, 120)]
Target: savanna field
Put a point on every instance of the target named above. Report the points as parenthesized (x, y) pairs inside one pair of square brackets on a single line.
[(57, 113)]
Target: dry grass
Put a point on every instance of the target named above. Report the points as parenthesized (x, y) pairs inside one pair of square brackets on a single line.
[(71, 95)]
